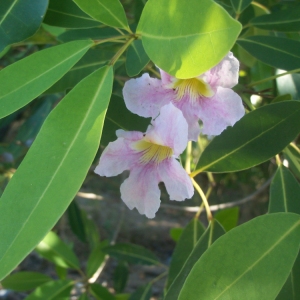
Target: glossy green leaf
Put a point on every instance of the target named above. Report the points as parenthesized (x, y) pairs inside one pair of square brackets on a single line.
[(95, 260), (100, 292), (142, 293), (19, 19), (240, 5), (24, 281), (228, 217), (66, 144), (56, 251), (120, 276), (136, 58), (261, 251), (52, 290), (75, 221), (212, 233), (109, 12), (131, 253), (277, 52), (24, 80), (254, 139), (182, 45), (292, 154), (68, 15), (184, 247)]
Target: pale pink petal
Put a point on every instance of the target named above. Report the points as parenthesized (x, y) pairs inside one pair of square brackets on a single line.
[(145, 96), (170, 129), (166, 78), (224, 74), (222, 110), (129, 135), (177, 181), (140, 190)]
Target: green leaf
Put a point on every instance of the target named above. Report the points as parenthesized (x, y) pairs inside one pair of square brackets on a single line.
[(91, 230), (100, 292), (68, 15), (228, 217), (20, 19), (254, 139), (288, 84), (56, 251), (277, 52), (212, 233), (182, 45), (142, 293), (61, 272), (24, 281), (95, 259), (136, 58), (184, 247), (60, 156), (175, 233), (280, 98), (261, 251), (109, 12), (131, 253), (292, 154), (24, 80), (120, 276), (84, 297), (52, 290), (240, 5)]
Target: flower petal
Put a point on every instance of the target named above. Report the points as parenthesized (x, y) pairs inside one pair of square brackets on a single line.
[(166, 78), (141, 190), (177, 181), (222, 110), (170, 129), (224, 74), (145, 96)]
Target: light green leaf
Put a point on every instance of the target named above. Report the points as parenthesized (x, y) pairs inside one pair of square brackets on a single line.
[(24, 80), (187, 242), (60, 156), (68, 15), (228, 217), (95, 259), (56, 251), (109, 12), (100, 292), (175, 233), (142, 293), (52, 290), (261, 251), (132, 254), (254, 139), (20, 19), (212, 233), (182, 45), (24, 281), (136, 58), (240, 5), (292, 154), (281, 53)]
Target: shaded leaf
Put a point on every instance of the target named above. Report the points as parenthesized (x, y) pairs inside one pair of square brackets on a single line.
[(175, 233), (120, 276), (142, 293), (100, 292), (228, 217), (292, 154), (95, 259), (240, 5), (288, 84)]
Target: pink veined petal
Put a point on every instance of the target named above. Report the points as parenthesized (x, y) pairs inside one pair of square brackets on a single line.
[(129, 135), (224, 74), (177, 181), (222, 110), (170, 129), (145, 96), (166, 78), (140, 190)]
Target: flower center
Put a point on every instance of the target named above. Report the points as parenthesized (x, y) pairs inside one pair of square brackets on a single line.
[(195, 87), (152, 152)]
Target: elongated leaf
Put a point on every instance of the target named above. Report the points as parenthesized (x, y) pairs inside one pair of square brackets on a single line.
[(24, 80), (76, 221), (142, 293), (132, 254), (52, 290), (292, 154), (277, 52), (95, 259), (136, 58), (175, 233), (261, 251), (55, 250), (240, 5), (67, 14), (254, 139), (109, 12), (228, 217), (184, 247), (60, 157), (212, 233), (182, 45), (100, 292), (19, 19), (120, 276), (24, 281)]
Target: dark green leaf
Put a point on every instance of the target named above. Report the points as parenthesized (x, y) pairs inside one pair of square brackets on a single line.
[(75, 221), (60, 156), (142, 293), (91, 230), (261, 251), (281, 53), (95, 259), (100, 292), (280, 98), (228, 217), (254, 139), (240, 5), (120, 276), (288, 84), (292, 154), (175, 233)]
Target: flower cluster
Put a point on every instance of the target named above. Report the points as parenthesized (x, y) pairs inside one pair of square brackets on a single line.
[(176, 106)]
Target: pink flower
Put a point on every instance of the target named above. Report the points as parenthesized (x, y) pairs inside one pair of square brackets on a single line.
[(207, 97), (150, 158)]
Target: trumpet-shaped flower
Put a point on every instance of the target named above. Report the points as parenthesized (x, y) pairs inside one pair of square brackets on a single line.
[(150, 158), (208, 97)]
